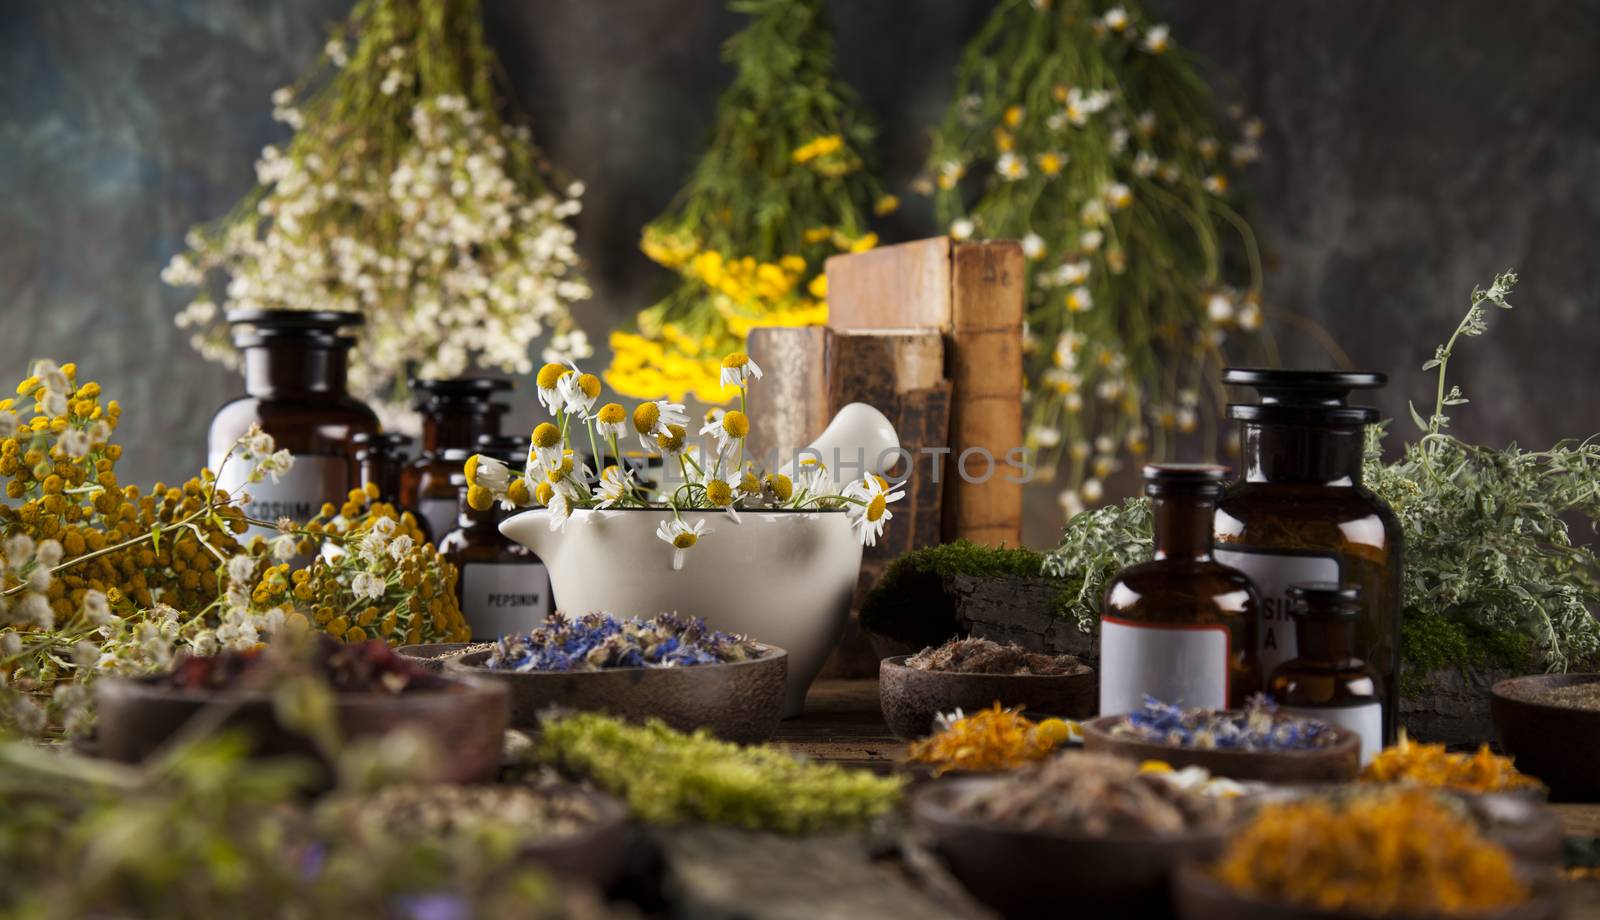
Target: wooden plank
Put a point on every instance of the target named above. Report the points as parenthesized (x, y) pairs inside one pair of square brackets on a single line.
[(843, 724), (985, 367), (906, 285), (719, 872)]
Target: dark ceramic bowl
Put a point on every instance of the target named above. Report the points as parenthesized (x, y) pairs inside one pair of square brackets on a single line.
[(912, 698), (1031, 873), (597, 853), (740, 701), (1199, 896), (431, 655), (1337, 763), (137, 718), (1558, 744)]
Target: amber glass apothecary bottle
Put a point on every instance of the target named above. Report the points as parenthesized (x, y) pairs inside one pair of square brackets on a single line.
[(1326, 679), (503, 587), (1181, 627), (455, 413), (295, 364), (1299, 513), (380, 459)]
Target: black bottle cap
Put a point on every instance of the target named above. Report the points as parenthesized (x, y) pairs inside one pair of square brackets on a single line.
[(1204, 480), (317, 327), (466, 388), (1303, 397), (385, 442), (1324, 599)]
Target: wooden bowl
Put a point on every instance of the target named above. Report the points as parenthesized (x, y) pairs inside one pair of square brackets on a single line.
[(138, 717), (1337, 763), (911, 698), (1032, 873), (431, 655), (1199, 896), (738, 701), (1557, 744), (597, 853)]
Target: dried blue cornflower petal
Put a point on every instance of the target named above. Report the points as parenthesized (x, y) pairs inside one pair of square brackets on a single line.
[(1258, 727), (597, 641)]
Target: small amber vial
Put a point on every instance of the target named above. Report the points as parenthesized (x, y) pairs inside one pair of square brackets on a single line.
[(455, 414), (1325, 680), (380, 459), (503, 588), (1181, 627)]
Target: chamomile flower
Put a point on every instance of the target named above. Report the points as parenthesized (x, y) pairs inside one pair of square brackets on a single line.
[(488, 473), (579, 392), (1080, 300), (1216, 184), (721, 494), (1033, 246), (1219, 309), (653, 418), (1091, 240), (547, 446), (615, 484), (873, 512), (777, 488), (737, 368), (611, 420), (1115, 19), (548, 382), (1092, 491), (728, 430), (682, 536), (961, 229), (1158, 39), (1118, 195), (559, 508), (672, 442), (1145, 164), (1011, 167)]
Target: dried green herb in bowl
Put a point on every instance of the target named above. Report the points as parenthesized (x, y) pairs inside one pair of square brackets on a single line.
[(975, 655)]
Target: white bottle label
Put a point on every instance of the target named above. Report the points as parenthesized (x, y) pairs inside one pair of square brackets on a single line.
[(498, 599), (1183, 665), (297, 495), (440, 514), (1365, 720), (1272, 574)]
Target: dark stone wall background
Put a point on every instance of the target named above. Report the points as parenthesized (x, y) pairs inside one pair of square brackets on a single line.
[(1411, 151)]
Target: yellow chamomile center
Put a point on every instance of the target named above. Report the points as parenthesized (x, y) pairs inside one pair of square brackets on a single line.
[(684, 539), (542, 493), (590, 385), (645, 417), (518, 491), (471, 469), (748, 482), (875, 508), (780, 486), (736, 423), (673, 439), (551, 374), (611, 413), (546, 435), (737, 359), (479, 498), (719, 492)]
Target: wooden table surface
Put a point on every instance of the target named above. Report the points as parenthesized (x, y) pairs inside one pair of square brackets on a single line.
[(842, 724)]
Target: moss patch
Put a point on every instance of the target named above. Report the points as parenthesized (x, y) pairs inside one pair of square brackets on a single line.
[(1430, 642), (912, 601)]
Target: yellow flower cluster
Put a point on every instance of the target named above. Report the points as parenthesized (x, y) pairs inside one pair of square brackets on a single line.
[(680, 358), (989, 740), (1412, 764), (59, 468), (1394, 854), (817, 148), (418, 600)]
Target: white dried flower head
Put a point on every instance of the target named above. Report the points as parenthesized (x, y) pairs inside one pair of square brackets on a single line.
[(367, 585), (97, 609), (10, 644), (35, 609), (8, 424), (284, 547), (241, 570), (48, 553), (400, 546), (19, 550)]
